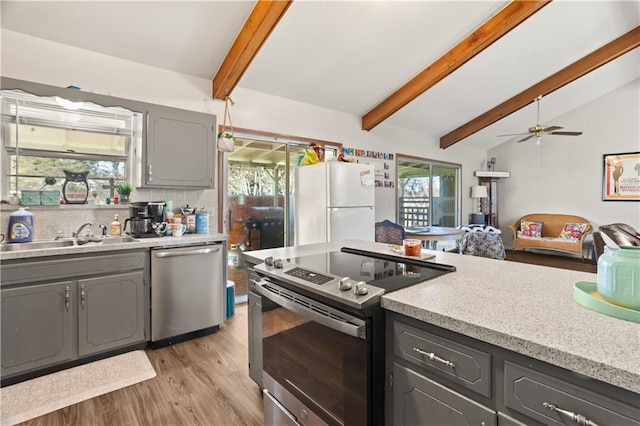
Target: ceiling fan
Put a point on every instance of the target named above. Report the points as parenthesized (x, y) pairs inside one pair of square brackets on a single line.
[(537, 131)]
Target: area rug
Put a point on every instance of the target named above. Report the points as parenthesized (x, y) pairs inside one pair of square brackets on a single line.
[(42, 395)]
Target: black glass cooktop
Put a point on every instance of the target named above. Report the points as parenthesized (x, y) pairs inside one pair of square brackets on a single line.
[(389, 273)]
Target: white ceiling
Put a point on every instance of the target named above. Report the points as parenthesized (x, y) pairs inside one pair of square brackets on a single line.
[(349, 56)]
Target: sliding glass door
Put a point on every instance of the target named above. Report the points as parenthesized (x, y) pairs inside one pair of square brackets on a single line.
[(428, 192)]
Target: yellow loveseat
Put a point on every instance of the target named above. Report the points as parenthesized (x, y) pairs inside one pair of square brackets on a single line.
[(552, 226)]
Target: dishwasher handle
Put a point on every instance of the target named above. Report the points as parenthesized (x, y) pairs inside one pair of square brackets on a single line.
[(175, 253)]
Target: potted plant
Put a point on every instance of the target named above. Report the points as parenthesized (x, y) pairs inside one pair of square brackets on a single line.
[(226, 141), (124, 190)]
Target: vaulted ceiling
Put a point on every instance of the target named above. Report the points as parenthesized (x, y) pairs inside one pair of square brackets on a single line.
[(352, 56)]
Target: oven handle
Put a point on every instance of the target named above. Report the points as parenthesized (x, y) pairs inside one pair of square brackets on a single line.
[(337, 325)]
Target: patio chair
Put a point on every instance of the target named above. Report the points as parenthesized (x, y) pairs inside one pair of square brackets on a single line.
[(389, 232)]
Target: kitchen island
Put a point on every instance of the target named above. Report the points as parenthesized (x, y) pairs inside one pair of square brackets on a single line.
[(523, 308)]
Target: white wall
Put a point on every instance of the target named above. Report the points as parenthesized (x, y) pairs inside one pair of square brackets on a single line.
[(33, 59), (564, 174)]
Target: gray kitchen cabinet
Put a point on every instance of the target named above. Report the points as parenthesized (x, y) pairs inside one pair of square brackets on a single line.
[(37, 326), (418, 400), (180, 148), (454, 379), (173, 147), (59, 310), (544, 398), (111, 312), (255, 329)]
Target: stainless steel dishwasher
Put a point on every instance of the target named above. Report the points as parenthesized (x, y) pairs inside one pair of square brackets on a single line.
[(187, 292)]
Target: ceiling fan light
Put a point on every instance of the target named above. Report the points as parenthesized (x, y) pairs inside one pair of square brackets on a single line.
[(538, 138)]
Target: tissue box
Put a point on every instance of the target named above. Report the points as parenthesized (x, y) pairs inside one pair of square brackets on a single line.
[(30, 198), (50, 198)]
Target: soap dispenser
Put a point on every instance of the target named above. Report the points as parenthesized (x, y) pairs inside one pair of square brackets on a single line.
[(116, 226), (21, 226)]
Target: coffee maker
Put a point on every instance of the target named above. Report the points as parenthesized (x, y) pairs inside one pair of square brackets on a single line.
[(146, 219)]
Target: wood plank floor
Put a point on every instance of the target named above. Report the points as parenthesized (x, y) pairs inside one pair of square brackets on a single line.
[(203, 381), (552, 260)]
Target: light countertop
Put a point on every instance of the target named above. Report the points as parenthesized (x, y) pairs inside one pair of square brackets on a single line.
[(527, 309), (186, 239)]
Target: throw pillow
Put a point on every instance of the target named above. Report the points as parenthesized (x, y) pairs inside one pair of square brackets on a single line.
[(573, 231), (531, 229)]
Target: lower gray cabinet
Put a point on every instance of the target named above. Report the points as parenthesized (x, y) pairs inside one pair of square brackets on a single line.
[(552, 401), (439, 377), (37, 326), (111, 312), (418, 400), (60, 309)]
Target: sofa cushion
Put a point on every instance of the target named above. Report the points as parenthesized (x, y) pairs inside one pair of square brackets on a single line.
[(573, 231), (531, 229)]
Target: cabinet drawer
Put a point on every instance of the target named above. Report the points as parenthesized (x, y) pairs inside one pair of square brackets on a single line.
[(530, 392), (461, 364), (53, 269), (418, 400)]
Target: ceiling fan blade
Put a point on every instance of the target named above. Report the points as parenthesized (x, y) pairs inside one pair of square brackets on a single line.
[(514, 134), (551, 129), (526, 139), (566, 133)]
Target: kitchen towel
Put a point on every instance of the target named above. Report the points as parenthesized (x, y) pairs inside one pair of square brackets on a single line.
[(33, 398)]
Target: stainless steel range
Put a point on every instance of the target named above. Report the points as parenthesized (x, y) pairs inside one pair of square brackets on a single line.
[(323, 334)]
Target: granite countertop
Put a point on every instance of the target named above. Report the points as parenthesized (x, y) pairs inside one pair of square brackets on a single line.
[(527, 309), (186, 239)]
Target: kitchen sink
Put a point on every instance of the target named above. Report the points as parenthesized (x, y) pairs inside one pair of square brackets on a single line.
[(36, 245), (43, 245), (119, 240)]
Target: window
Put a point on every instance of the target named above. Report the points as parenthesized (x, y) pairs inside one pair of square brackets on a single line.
[(43, 136), (428, 193)]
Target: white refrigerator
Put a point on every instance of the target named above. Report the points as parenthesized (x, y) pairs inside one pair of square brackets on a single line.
[(334, 201)]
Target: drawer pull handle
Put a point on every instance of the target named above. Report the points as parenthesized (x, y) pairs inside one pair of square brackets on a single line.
[(67, 297), (82, 295), (578, 418), (434, 357)]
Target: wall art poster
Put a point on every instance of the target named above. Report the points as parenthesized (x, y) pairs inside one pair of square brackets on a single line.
[(621, 180)]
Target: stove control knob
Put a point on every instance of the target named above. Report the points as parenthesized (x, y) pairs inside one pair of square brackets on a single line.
[(344, 284), (269, 261), (361, 290), (277, 263)]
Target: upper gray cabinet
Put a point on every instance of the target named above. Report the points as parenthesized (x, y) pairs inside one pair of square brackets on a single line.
[(166, 147), (179, 149)]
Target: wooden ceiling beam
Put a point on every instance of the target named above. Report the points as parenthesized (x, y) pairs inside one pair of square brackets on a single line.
[(263, 19), (497, 26), (592, 61)]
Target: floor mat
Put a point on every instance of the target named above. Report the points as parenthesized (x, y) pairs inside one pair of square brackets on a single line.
[(42, 395)]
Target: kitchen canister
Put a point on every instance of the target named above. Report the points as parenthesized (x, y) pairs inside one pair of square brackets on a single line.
[(190, 222), (21, 226), (619, 276), (202, 223)]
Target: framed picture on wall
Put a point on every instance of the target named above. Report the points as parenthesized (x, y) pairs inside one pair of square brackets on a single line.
[(621, 177)]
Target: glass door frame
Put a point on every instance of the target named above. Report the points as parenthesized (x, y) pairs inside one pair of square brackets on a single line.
[(431, 163), (289, 141)]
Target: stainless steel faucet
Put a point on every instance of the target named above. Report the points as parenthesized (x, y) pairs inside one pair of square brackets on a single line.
[(76, 234)]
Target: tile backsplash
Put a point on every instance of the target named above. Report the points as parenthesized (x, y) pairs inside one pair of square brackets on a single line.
[(48, 220)]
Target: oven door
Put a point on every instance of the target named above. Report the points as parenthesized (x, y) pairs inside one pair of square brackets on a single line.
[(315, 359)]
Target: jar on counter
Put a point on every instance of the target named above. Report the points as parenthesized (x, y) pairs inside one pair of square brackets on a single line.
[(619, 276), (234, 256), (190, 221)]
